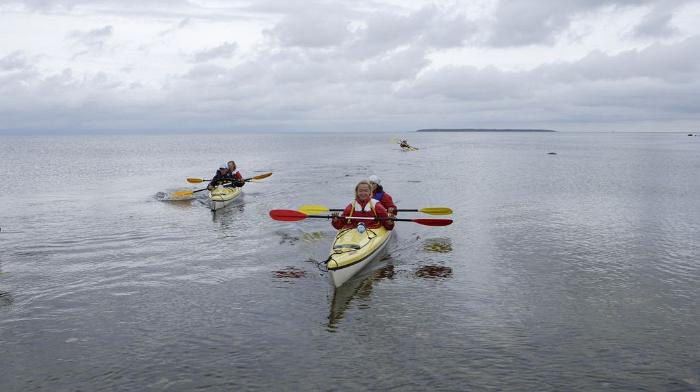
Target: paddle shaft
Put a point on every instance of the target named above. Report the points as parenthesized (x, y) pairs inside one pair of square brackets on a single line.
[(293, 216), (258, 177), (399, 210), (378, 218), (246, 180), (319, 209)]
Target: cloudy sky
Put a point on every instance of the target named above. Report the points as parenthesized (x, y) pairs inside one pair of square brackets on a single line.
[(362, 65)]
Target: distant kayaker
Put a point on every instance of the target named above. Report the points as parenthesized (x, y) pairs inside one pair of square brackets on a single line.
[(365, 207), (379, 195), (404, 144), (226, 175)]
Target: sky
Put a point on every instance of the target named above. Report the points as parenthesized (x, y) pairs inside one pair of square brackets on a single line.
[(96, 66)]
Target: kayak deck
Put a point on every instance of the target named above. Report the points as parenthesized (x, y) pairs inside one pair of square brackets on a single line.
[(220, 197), (352, 250)]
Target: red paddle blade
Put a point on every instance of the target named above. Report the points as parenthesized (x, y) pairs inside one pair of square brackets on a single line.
[(287, 215), (433, 222)]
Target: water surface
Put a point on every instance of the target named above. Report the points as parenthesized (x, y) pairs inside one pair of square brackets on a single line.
[(574, 271)]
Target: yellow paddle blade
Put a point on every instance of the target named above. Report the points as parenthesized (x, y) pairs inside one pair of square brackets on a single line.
[(436, 210), (261, 176), (195, 180), (312, 209), (184, 193)]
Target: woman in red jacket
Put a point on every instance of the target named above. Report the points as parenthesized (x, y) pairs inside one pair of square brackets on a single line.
[(381, 196), (363, 206)]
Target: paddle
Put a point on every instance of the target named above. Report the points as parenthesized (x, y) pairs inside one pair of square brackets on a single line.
[(317, 209), (292, 216), (186, 193), (258, 177)]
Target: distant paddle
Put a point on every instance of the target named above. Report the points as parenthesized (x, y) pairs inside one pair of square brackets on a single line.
[(318, 209), (258, 177), (293, 216), (186, 193)]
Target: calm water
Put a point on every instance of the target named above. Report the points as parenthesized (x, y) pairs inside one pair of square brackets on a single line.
[(576, 271)]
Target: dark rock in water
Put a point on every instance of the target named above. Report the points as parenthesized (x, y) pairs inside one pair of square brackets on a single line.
[(551, 153), (690, 134)]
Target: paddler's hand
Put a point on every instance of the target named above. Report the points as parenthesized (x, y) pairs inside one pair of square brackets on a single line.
[(335, 215), (210, 188)]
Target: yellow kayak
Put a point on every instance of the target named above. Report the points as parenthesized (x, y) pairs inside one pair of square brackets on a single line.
[(353, 250), (220, 197)]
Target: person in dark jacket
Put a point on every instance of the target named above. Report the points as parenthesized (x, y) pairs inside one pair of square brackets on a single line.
[(227, 176)]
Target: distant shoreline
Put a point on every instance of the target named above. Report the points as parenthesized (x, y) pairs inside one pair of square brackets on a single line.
[(484, 130)]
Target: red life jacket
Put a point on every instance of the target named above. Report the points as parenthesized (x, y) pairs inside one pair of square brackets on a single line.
[(370, 209)]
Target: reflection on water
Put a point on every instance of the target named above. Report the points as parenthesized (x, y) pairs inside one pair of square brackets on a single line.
[(357, 288), (440, 245), (171, 195), (226, 215), (6, 298)]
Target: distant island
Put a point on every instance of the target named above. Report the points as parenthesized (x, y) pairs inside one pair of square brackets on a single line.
[(483, 130)]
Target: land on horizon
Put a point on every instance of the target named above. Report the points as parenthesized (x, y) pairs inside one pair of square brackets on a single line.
[(481, 130)]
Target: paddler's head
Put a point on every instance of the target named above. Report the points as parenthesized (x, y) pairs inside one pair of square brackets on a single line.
[(374, 182), (363, 191), (223, 168), (231, 165)]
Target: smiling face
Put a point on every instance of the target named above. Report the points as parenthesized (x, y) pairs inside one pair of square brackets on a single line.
[(363, 191)]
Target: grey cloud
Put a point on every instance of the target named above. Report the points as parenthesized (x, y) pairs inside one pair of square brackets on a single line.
[(56, 5), (225, 50), (92, 40), (310, 30), (674, 63), (429, 27), (522, 22), (396, 66), (363, 34), (661, 81), (16, 60), (656, 24), (391, 86), (468, 84), (184, 23)]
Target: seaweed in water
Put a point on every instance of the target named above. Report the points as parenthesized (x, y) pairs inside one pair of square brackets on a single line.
[(439, 245), (288, 238), (290, 273), (433, 272)]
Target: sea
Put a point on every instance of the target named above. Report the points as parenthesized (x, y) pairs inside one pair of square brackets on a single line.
[(573, 264)]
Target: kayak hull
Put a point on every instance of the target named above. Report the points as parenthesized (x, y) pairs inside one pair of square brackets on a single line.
[(220, 197), (352, 251)]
